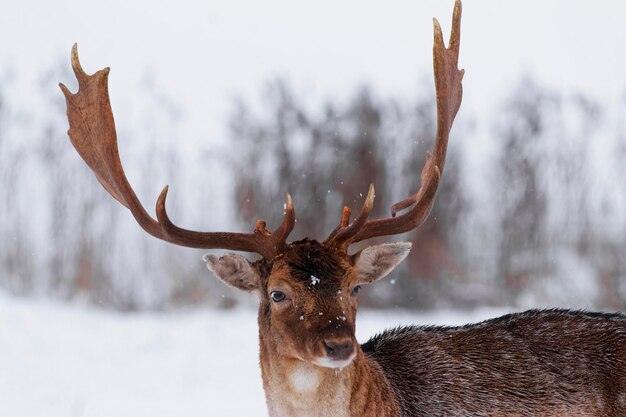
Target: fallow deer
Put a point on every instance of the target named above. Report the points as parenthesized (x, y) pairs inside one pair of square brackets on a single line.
[(537, 363)]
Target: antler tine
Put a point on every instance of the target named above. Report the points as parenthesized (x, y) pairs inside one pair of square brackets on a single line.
[(92, 132), (344, 233), (345, 220), (279, 237), (449, 89)]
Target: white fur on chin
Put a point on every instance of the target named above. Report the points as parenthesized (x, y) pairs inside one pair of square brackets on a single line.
[(330, 363)]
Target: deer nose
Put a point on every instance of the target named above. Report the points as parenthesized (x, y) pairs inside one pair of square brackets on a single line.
[(339, 349)]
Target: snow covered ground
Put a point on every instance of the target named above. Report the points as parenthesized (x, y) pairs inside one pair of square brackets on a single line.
[(74, 361)]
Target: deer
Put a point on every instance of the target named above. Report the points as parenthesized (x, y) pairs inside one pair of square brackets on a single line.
[(536, 363)]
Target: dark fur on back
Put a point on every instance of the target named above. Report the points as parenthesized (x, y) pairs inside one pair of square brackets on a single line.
[(540, 362)]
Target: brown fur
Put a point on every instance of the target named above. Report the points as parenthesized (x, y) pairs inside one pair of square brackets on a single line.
[(323, 309), (288, 344), (538, 363)]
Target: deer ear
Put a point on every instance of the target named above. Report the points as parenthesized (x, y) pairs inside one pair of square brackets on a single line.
[(375, 262), (234, 270)]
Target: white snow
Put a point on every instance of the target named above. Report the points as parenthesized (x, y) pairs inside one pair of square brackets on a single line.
[(74, 361)]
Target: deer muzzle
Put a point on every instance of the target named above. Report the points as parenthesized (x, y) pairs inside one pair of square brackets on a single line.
[(336, 351)]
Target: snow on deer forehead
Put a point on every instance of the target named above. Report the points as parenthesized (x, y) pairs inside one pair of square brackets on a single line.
[(319, 268)]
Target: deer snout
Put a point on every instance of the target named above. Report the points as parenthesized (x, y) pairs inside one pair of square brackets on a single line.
[(339, 349), (338, 352)]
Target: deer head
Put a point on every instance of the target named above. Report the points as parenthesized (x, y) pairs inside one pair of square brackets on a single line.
[(308, 295), (307, 289)]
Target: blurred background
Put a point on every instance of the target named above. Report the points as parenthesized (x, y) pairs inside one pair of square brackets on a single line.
[(531, 212), (234, 103)]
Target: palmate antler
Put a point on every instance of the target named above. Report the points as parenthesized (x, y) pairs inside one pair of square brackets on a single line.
[(449, 91), (92, 132)]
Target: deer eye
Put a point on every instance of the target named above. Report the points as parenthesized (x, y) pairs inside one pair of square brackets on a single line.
[(277, 296), (355, 290)]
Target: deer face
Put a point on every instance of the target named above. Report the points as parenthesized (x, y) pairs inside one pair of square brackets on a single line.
[(308, 295)]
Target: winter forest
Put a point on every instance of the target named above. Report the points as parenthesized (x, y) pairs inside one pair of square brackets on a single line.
[(234, 104), (543, 222)]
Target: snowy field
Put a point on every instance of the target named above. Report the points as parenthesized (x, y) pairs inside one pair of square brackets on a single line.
[(73, 361)]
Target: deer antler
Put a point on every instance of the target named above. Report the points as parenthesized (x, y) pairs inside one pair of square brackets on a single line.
[(449, 91), (92, 132)]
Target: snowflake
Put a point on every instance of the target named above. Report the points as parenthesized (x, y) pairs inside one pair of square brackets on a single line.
[(314, 280)]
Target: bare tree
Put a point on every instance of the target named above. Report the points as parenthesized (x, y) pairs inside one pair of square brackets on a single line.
[(523, 201)]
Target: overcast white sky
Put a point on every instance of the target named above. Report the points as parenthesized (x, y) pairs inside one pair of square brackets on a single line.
[(203, 53)]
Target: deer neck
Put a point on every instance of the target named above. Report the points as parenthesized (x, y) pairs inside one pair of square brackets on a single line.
[(297, 388)]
